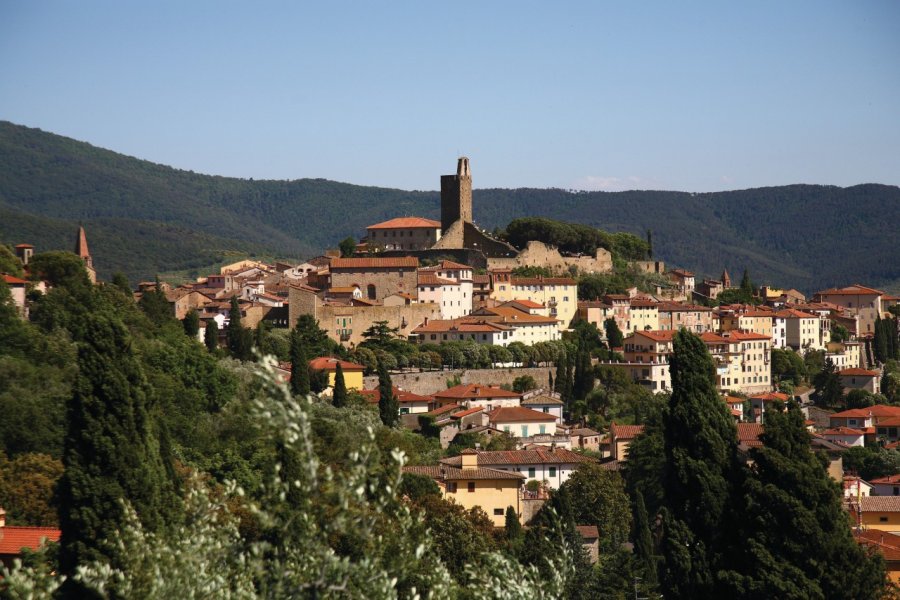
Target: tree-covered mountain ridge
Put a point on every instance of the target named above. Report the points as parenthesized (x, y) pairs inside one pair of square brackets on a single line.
[(143, 217)]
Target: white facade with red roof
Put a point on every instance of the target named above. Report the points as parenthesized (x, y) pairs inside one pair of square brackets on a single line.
[(522, 422), (449, 285), (16, 287), (860, 379), (846, 436), (886, 486), (473, 395), (859, 300), (553, 466)]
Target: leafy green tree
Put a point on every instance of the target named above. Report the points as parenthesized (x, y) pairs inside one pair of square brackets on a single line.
[(701, 462), (380, 335), (156, 306), (9, 262), (524, 383), (339, 397), (790, 491), (859, 398), (871, 462), (388, 407), (598, 498), (347, 246), (300, 383), (240, 343), (839, 333), (614, 337), (27, 489), (211, 335), (112, 452), (120, 281), (191, 323)]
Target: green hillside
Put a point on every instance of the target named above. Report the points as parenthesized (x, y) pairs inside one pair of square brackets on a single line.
[(143, 217)]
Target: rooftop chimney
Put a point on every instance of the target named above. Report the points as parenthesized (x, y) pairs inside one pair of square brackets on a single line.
[(469, 459), (2, 517)]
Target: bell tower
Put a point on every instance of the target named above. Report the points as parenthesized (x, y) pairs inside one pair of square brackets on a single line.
[(456, 195)]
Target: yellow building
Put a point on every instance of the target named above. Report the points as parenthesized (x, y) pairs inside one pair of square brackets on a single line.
[(877, 512), (643, 315), (353, 373), (559, 294), (757, 321), (472, 486)]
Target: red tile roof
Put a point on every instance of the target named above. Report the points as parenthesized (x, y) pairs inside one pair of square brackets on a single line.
[(428, 278), (858, 372), (888, 479), (385, 262), (526, 303), (884, 542), (471, 391), (889, 422), (510, 314), (24, 246), (447, 408), (14, 538), (843, 431), (445, 472), (538, 456), (407, 223), (329, 363), (748, 434), (625, 432), (795, 314), (588, 532), (771, 397), (374, 396), (879, 504), (458, 325), (9, 279), (658, 336), (466, 413), (851, 290), (516, 414), (446, 265), (542, 281), (741, 336)]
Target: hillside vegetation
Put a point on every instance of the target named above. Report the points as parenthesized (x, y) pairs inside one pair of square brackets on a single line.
[(143, 217)]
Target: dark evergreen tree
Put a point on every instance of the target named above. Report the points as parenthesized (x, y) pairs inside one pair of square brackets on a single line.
[(643, 541), (262, 330), (789, 492), (238, 337), (211, 335), (388, 407), (584, 375), (513, 531), (314, 339), (649, 244), (347, 246), (299, 366), (560, 386), (111, 451), (121, 281), (191, 323), (700, 445), (155, 305), (550, 381), (339, 397), (881, 341), (827, 382), (614, 337), (746, 284)]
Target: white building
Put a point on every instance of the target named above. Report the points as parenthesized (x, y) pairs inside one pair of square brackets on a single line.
[(553, 466)]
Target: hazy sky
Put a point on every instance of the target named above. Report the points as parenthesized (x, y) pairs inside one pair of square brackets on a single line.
[(696, 96)]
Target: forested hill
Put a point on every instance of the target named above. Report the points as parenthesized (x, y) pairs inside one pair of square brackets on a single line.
[(143, 217)]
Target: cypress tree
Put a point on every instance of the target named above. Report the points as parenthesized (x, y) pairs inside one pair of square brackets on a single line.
[(262, 329), (649, 244), (155, 305), (560, 385), (746, 284), (388, 407), (701, 461), (111, 451), (512, 530), (788, 492), (550, 380), (828, 386), (643, 541), (881, 343), (614, 337), (299, 366), (211, 335), (584, 375), (191, 323), (339, 398), (239, 341)]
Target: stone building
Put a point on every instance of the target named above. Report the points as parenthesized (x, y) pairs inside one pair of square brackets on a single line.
[(404, 233), (378, 277), (81, 249)]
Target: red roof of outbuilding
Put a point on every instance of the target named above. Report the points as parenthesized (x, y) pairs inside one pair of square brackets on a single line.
[(329, 363), (859, 372), (10, 280), (14, 538)]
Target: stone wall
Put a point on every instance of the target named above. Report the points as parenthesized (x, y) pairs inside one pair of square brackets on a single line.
[(386, 281), (539, 254), (429, 382)]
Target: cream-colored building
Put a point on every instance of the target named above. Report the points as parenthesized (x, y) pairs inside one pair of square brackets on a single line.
[(857, 300), (551, 466), (449, 285), (676, 315), (559, 294), (522, 422), (643, 315), (472, 485), (757, 321), (846, 355), (404, 233), (802, 331)]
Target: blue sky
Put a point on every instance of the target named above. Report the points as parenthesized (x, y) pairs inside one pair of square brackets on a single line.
[(696, 96)]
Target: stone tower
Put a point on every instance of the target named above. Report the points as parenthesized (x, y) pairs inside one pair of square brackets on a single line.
[(81, 249), (456, 195)]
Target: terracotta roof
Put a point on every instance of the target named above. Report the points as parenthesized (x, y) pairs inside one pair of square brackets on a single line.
[(24, 246), (888, 479), (748, 434), (851, 290), (739, 335), (510, 314), (13, 538), (466, 413), (470, 391), (344, 290), (858, 372), (428, 278), (445, 472), (457, 325), (541, 399), (588, 532), (9, 279), (407, 223), (843, 431), (329, 363), (542, 281), (584, 432), (879, 504), (878, 410), (884, 542), (402, 396), (795, 314), (445, 265), (539, 456), (681, 273), (516, 414), (625, 432), (771, 397), (525, 303), (447, 408), (889, 422), (481, 279), (385, 262), (643, 303), (658, 336)]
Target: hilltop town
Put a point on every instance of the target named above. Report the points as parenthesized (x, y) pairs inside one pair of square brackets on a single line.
[(529, 369)]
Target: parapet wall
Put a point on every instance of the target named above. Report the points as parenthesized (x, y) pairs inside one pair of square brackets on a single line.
[(539, 254), (429, 382)]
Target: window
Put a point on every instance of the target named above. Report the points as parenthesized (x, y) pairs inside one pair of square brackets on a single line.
[(471, 486), (883, 519), (542, 429), (531, 472), (524, 430), (498, 512), (552, 471), (451, 487)]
